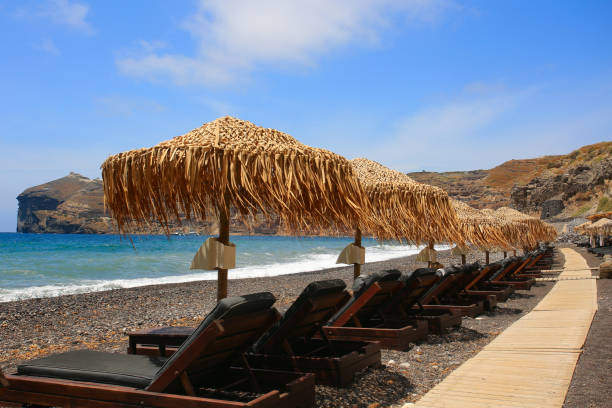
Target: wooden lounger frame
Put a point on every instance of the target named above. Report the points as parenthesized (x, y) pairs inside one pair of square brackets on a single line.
[(431, 299), (396, 335), (187, 371), (514, 279), (456, 293), (333, 362), (481, 285)]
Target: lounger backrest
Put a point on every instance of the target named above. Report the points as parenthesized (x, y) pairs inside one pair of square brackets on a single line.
[(507, 266), (387, 280), (415, 284), (229, 330), (483, 275), (311, 310), (461, 276)]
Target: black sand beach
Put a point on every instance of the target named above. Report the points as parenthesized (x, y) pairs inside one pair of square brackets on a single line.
[(36, 327)]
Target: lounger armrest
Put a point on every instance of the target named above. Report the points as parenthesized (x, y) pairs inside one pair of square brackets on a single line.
[(3, 381)]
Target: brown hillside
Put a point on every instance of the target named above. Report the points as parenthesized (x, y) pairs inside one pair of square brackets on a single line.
[(494, 188)]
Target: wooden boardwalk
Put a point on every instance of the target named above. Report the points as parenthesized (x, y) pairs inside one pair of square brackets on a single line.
[(532, 362)]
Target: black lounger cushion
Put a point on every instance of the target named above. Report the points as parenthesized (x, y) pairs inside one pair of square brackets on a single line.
[(135, 370), (225, 309), (311, 292), (407, 277), (363, 283), (129, 370)]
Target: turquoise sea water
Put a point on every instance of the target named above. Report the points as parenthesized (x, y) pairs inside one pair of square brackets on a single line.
[(42, 265)]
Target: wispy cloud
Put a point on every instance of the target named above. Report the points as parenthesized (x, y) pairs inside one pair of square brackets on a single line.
[(62, 12), (233, 37), (447, 132), (47, 45), (489, 123)]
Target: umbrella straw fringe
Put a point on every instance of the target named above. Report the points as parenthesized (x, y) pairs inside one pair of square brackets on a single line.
[(164, 183)]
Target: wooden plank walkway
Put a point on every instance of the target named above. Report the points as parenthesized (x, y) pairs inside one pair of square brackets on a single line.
[(532, 362)]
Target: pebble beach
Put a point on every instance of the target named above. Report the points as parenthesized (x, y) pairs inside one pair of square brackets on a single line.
[(100, 320)]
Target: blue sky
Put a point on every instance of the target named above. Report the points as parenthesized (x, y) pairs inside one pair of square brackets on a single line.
[(414, 84)]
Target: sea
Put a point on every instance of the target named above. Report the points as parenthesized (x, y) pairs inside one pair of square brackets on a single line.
[(45, 265)]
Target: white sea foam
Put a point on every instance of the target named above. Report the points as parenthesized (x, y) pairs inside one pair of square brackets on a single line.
[(305, 263)]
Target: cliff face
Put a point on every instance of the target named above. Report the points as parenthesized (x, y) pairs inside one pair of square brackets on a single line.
[(71, 204), (574, 184), (568, 185)]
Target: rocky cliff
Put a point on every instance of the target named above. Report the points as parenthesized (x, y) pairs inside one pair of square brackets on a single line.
[(573, 185), (565, 186), (71, 204)]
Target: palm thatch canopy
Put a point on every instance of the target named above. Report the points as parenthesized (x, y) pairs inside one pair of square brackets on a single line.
[(603, 226), (404, 209), (538, 230), (598, 216), (480, 228), (583, 228), (516, 233), (233, 163)]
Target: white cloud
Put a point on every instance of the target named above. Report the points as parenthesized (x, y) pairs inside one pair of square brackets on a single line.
[(444, 136), (47, 45), (235, 36), (63, 12), (488, 124)]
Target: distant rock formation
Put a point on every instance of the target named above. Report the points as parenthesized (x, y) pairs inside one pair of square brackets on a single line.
[(71, 204), (569, 185), (584, 178)]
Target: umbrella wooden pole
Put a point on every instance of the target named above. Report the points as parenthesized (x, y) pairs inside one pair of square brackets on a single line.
[(462, 259), (356, 266), (505, 254), (430, 246), (486, 257), (514, 252), (224, 239)]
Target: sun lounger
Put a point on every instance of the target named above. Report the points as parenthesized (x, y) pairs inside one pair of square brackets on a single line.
[(510, 274), (481, 284), (290, 344), (437, 298), (409, 300), (204, 372), (450, 292), (362, 318)]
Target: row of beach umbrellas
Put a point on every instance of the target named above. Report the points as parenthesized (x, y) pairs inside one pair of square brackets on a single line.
[(599, 224), (232, 164)]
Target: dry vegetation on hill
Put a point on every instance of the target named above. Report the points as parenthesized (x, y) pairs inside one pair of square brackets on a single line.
[(501, 185)]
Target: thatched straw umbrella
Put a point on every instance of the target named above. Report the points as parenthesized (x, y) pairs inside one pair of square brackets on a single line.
[(598, 216), (480, 228), (538, 230), (601, 227), (231, 163), (582, 228), (403, 209), (515, 233), (585, 229)]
